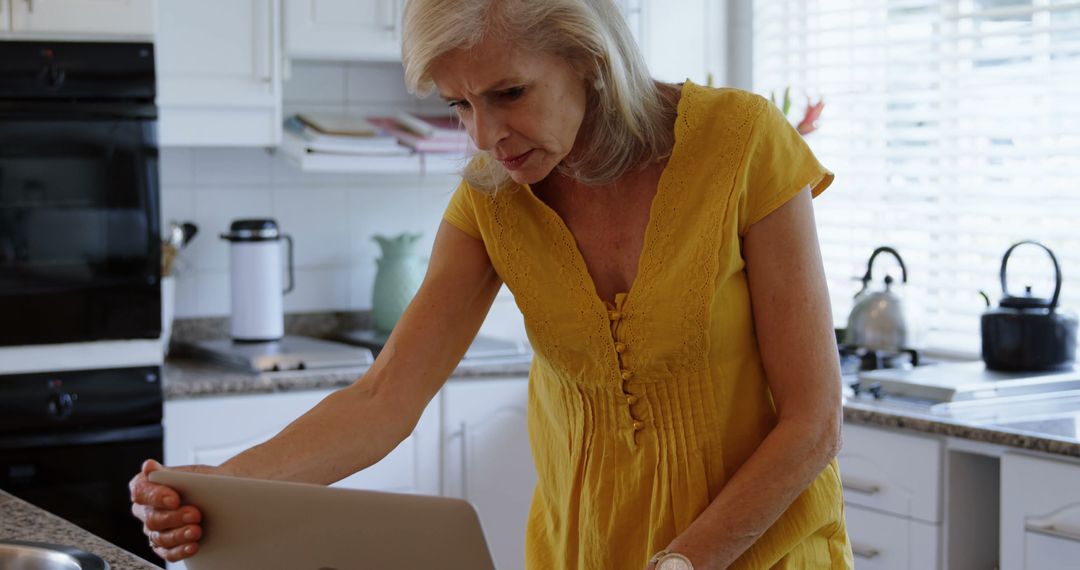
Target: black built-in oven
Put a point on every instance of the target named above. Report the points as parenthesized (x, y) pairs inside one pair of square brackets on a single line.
[(70, 441), (79, 224), (79, 262)]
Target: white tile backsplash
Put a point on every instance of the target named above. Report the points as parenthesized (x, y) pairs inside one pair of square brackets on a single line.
[(318, 221), (234, 167), (215, 209), (212, 294), (316, 82), (319, 290), (332, 217), (177, 167), (376, 82)]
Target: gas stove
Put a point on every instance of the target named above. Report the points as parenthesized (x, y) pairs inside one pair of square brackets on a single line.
[(855, 359), (962, 382)]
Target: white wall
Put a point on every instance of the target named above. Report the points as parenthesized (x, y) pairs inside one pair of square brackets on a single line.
[(330, 216)]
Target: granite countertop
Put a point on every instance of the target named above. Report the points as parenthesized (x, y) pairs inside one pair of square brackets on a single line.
[(1046, 425), (22, 521), (190, 378)]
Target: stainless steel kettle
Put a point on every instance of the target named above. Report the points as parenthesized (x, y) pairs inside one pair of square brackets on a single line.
[(879, 319)]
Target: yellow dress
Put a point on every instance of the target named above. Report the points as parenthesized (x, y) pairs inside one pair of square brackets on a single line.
[(640, 411)]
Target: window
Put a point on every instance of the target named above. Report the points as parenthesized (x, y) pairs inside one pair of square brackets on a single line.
[(953, 127)]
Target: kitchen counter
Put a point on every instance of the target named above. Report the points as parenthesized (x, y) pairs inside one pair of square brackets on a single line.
[(189, 378), (20, 520), (1045, 425)]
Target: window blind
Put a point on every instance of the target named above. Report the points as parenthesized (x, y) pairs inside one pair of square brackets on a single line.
[(953, 127)]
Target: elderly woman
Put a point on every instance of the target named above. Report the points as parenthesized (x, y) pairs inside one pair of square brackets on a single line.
[(684, 400)]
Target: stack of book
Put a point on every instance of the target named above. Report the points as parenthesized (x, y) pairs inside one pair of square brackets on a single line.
[(436, 134), (338, 134)]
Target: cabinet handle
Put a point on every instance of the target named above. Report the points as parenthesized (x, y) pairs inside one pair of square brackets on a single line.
[(463, 430), (264, 40), (30, 6), (861, 487), (389, 15), (1052, 531), (863, 551)]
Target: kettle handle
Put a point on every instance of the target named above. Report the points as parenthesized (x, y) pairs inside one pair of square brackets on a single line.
[(870, 266), (1053, 258), (292, 282)]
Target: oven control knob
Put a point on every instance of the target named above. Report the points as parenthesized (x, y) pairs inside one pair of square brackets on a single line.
[(61, 405), (52, 76)]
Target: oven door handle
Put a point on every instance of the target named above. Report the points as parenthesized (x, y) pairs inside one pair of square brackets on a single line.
[(94, 437), (62, 110)]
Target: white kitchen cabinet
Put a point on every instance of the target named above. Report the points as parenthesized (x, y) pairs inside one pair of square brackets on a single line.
[(889, 542), (343, 29), (124, 18), (219, 72), (892, 492), (892, 472), (211, 430), (5, 16), (487, 460), (1040, 513)]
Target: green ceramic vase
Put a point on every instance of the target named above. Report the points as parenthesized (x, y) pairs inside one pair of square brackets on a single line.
[(399, 274)]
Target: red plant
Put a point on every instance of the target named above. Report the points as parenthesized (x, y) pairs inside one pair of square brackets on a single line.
[(808, 124)]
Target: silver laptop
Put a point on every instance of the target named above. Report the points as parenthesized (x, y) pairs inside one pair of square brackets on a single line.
[(250, 523)]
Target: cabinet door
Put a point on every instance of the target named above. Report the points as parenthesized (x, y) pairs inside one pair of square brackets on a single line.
[(487, 461), (219, 80), (111, 17), (888, 542), (892, 472), (344, 29), (211, 430), (1040, 513)]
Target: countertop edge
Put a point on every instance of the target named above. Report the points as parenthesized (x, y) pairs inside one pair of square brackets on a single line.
[(26, 522), (861, 414)]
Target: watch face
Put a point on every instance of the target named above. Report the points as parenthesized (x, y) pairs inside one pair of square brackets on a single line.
[(672, 563)]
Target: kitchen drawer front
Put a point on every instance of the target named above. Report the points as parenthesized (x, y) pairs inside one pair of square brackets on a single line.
[(1049, 552), (888, 542), (892, 472), (1040, 513), (211, 430)]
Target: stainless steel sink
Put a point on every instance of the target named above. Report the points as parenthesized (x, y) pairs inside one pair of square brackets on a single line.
[(18, 555)]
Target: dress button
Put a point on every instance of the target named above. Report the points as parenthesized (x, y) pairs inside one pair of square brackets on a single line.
[(620, 347), (638, 425), (626, 375), (614, 315), (631, 399)]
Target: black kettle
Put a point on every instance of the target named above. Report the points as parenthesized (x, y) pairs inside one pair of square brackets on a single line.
[(1028, 333)]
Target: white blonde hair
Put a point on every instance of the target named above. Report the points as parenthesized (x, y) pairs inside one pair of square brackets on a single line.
[(628, 118)]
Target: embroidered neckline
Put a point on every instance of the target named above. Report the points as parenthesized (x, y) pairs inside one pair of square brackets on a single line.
[(624, 298)]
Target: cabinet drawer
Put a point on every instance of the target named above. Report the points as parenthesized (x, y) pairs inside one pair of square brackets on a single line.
[(888, 542), (1040, 513), (892, 472), (212, 430)]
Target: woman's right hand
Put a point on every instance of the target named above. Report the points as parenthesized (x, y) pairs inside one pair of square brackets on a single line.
[(173, 528)]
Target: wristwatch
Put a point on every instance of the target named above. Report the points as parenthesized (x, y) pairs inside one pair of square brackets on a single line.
[(665, 560)]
